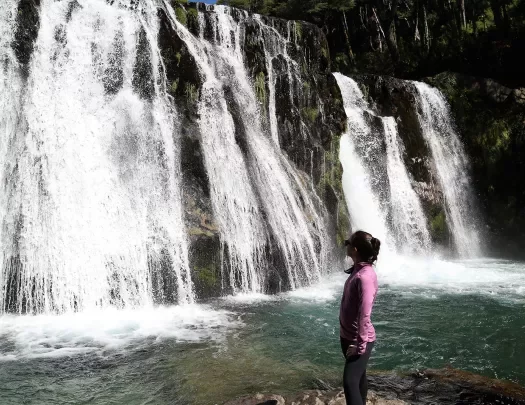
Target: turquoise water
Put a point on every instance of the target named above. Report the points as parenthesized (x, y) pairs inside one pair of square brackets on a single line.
[(225, 348)]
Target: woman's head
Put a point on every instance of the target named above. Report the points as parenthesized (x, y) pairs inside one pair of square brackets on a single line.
[(362, 247)]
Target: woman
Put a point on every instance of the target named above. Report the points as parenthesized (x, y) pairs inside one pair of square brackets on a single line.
[(357, 332)]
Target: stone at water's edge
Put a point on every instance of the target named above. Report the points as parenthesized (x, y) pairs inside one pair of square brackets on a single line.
[(445, 386), (312, 398)]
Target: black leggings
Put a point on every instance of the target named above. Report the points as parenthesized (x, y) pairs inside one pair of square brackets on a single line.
[(354, 378)]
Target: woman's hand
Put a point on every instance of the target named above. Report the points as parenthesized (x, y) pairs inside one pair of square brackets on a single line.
[(351, 351)]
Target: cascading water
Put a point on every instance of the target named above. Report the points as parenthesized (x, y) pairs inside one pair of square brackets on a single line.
[(276, 46), (451, 166), (259, 186), (363, 204), (11, 89), (361, 185), (93, 215), (408, 219)]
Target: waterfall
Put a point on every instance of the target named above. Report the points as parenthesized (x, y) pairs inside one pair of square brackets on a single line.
[(260, 201), (276, 46), (11, 89), (399, 221), (408, 219), (362, 202), (452, 169), (94, 214)]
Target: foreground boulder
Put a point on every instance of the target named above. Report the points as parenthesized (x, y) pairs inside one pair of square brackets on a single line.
[(444, 386)]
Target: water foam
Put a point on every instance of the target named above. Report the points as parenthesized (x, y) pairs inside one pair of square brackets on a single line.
[(110, 330)]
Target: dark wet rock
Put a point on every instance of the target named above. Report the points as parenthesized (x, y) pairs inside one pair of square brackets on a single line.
[(27, 26), (446, 386), (142, 71), (113, 78)]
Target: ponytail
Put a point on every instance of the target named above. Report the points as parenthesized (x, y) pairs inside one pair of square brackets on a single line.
[(376, 245)]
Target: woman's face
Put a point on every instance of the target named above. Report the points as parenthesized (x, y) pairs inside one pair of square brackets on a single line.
[(351, 252)]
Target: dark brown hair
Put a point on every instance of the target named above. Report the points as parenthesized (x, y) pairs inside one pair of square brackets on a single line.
[(366, 245)]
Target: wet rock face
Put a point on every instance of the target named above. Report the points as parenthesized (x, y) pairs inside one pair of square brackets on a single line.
[(309, 120), (27, 26), (308, 103)]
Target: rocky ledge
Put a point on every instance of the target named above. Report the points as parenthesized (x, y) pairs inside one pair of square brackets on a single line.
[(444, 386)]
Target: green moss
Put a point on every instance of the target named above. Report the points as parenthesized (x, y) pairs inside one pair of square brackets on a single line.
[(207, 276), (193, 17), (310, 113), (200, 232), (324, 50), (178, 56), (174, 86), (260, 87), (438, 226), (181, 16), (331, 180), (191, 92), (343, 222), (341, 62), (298, 28)]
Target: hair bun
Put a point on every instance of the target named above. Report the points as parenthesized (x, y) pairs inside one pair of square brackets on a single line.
[(376, 244)]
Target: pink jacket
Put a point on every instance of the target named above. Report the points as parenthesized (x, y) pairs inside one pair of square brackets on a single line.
[(359, 295)]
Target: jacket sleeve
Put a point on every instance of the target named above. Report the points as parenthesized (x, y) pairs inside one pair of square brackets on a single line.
[(366, 289)]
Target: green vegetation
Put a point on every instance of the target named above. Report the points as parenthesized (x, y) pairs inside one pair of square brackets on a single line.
[(331, 182), (298, 28), (191, 92), (311, 113), (438, 227), (193, 17), (174, 86), (414, 38), (207, 276), (260, 87), (295, 9), (180, 13)]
